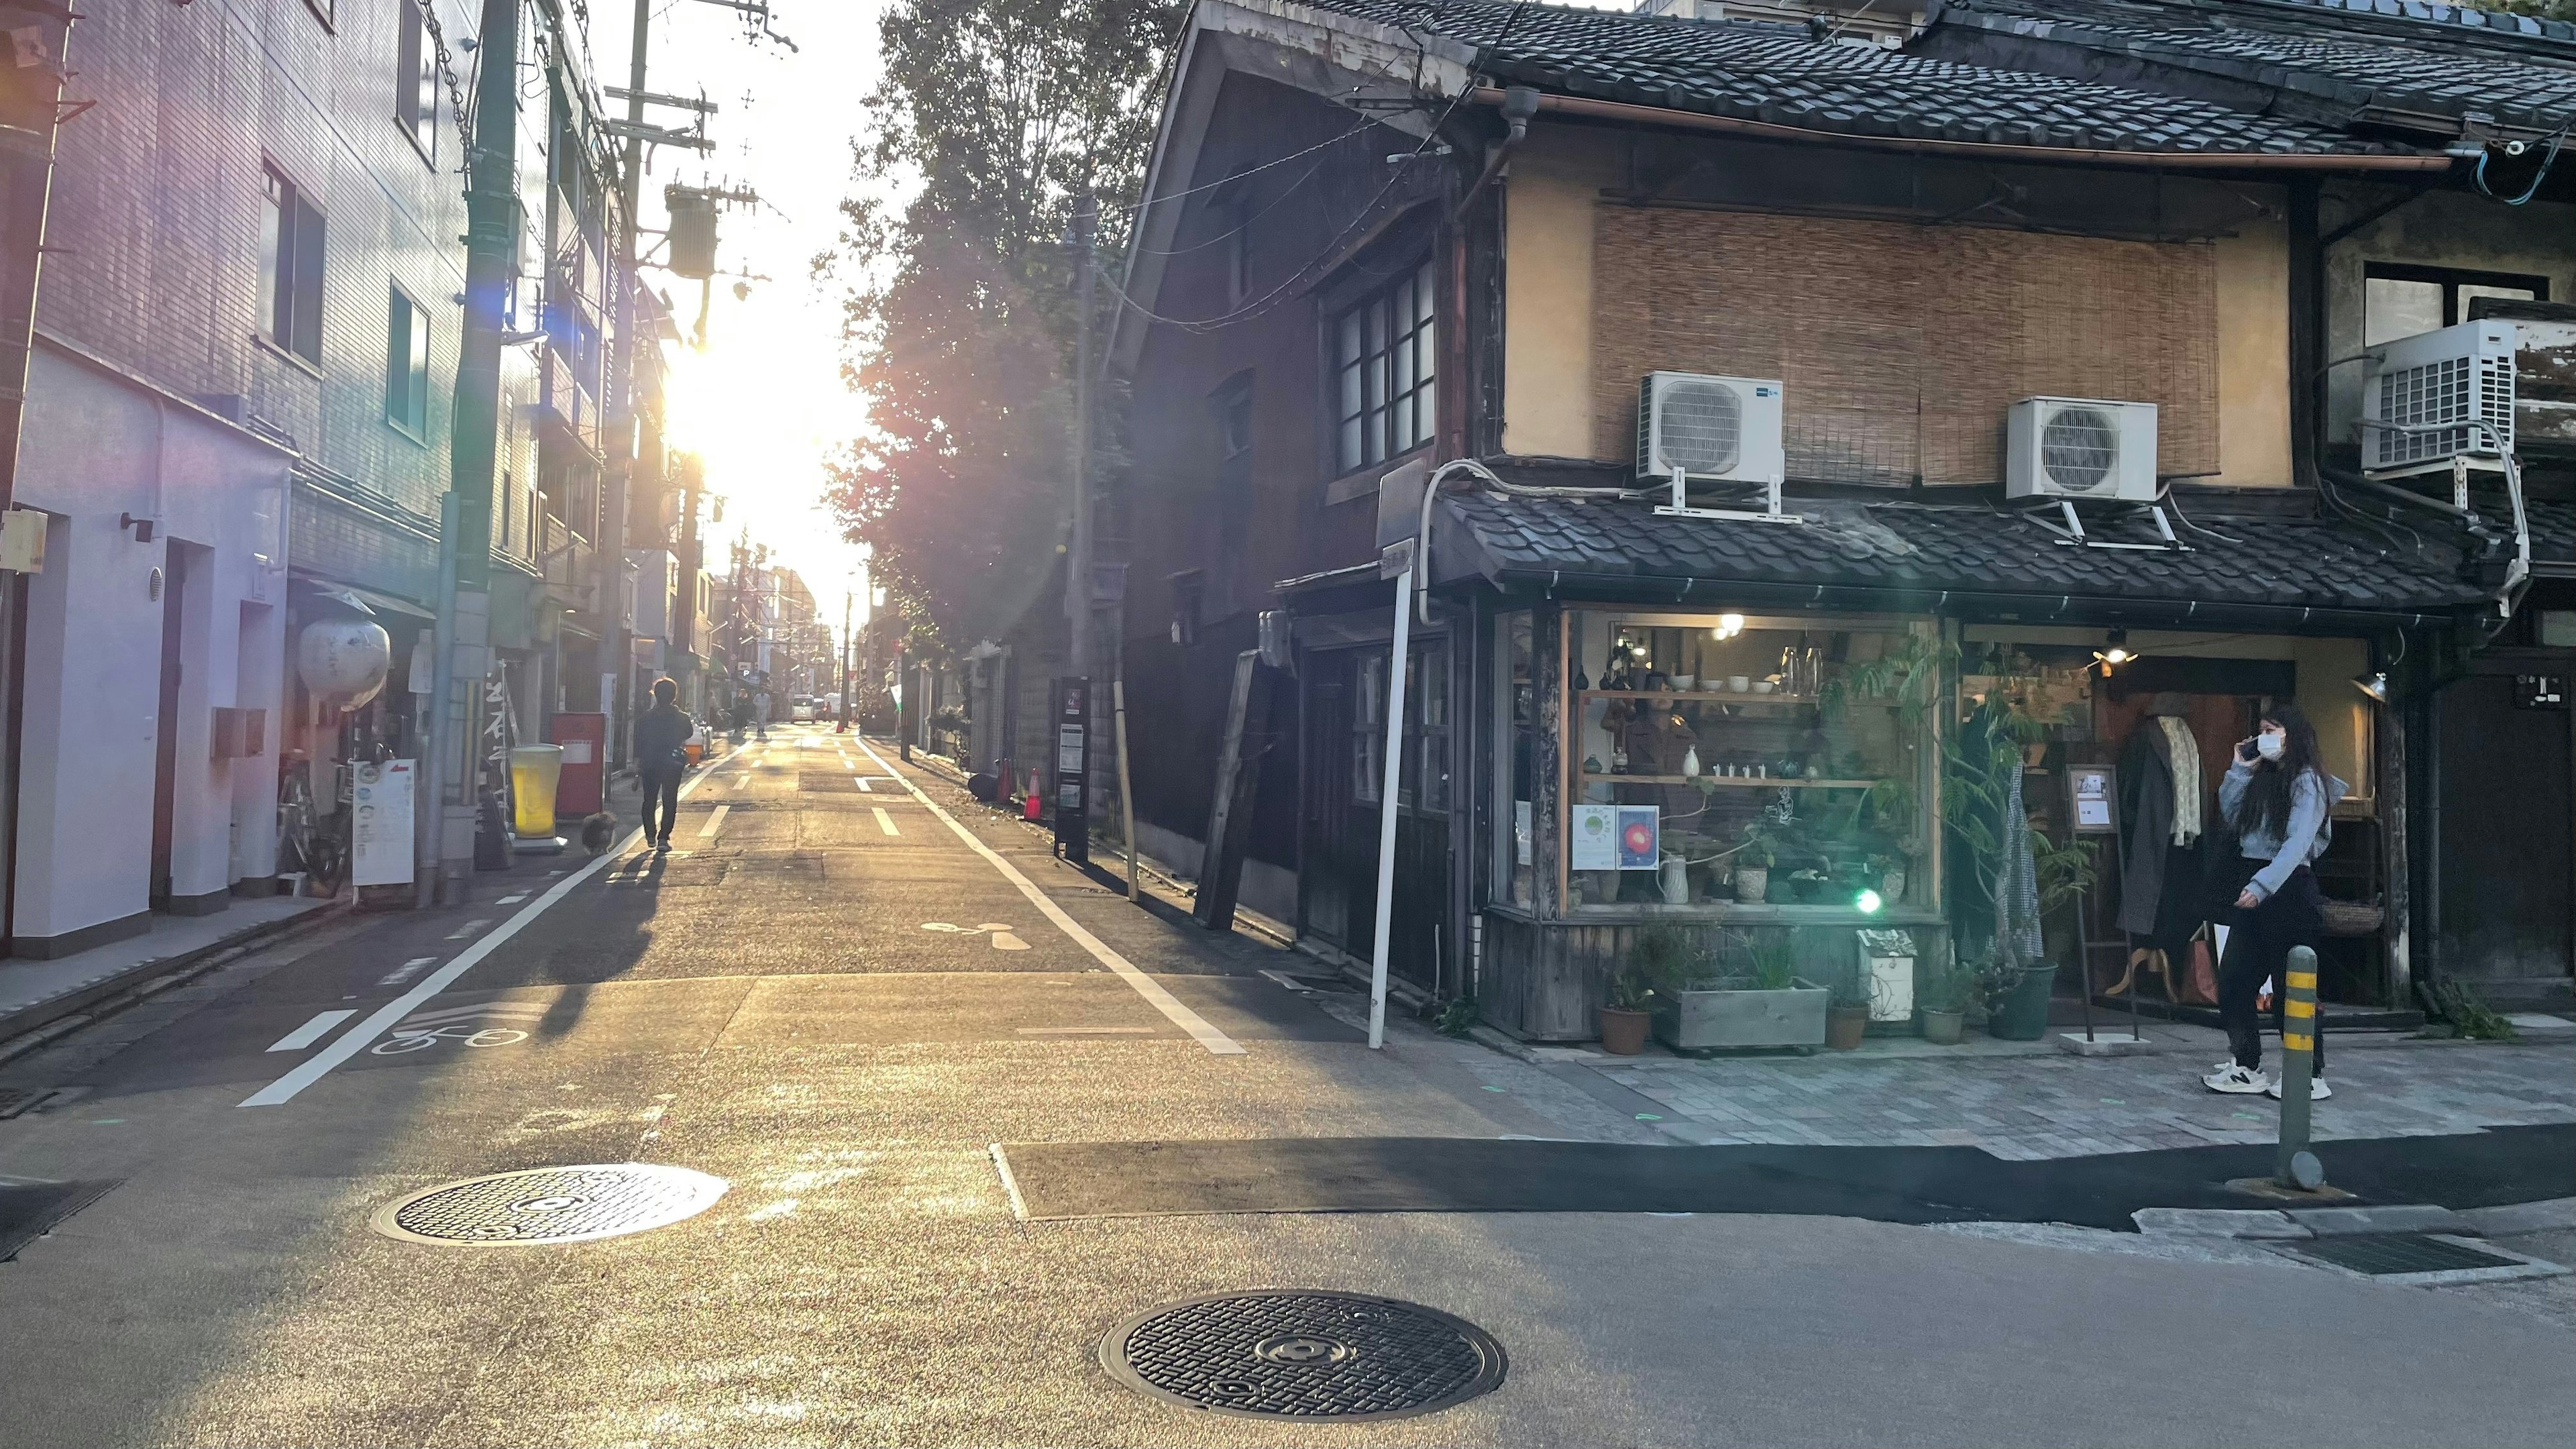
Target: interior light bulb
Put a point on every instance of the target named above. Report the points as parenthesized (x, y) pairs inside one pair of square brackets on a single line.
[(1868, 902)]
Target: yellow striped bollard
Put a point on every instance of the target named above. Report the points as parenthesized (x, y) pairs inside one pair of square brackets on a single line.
[(2295, 1166)]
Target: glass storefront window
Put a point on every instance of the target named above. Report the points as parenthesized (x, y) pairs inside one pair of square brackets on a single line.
[(1515, 753), (1736, 759)]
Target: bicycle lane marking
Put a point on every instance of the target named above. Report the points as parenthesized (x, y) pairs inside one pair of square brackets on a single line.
[(358, 1038), (1217, 1042)]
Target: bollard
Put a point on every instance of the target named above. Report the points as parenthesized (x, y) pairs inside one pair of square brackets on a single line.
[(2295, 1166)]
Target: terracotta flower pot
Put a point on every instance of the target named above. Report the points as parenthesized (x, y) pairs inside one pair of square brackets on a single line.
[(1843, 1027), (1752, 882), (1623, 1033), (1944, 1028)]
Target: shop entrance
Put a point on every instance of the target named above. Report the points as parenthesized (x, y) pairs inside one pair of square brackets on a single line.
[(2506, 861)]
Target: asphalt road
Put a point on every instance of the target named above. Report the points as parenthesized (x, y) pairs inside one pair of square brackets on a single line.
[(828, 999)]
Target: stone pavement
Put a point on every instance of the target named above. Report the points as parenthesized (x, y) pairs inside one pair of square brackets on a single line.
[(2051, 1104)]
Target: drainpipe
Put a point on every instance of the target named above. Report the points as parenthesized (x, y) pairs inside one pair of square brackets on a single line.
[(1520, 103)]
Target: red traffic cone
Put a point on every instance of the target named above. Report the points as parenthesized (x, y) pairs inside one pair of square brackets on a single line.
[(1031, 806)]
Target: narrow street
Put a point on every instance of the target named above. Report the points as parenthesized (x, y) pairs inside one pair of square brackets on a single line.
[(850, 983)]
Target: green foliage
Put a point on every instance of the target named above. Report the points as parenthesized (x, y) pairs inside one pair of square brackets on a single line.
[(1665, 957), (958, 317), (2458, 1003), (1760, 848), (1946, 987), (2536, 9), (1457, 1016)]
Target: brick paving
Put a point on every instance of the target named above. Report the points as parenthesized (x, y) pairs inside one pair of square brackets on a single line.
[(2055, 1105)]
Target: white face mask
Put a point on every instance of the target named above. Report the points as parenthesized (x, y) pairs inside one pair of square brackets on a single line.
[(2270, 746)]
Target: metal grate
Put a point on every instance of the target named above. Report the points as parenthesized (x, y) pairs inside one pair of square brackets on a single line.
[(1699, 426), (2078, 447), (550, 1205), (1304, 1354), (2430, 396), (2382, 1254)]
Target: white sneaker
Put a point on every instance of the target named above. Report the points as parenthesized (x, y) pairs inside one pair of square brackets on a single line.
[(2238, 1080), (2318, 1091)]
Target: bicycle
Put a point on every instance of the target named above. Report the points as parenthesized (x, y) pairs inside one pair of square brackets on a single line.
[(305, 840)]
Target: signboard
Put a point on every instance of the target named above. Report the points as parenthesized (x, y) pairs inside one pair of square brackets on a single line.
[(1640, 837), (380, 836), (2088, 791), (1073, 769)]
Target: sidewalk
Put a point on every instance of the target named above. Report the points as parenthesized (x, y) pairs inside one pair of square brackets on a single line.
[(34, 993), (2028, 1101)]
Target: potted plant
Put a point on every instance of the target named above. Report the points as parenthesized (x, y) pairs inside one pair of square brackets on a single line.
[(1627, 1015), (1756, 1000), (1944, 999), (1807, 884), (1847, 1013), (1753, 864)]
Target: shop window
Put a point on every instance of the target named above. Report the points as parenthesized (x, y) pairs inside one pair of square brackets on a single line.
[(1423, 785), (416, 80), (1801, 745), (2400, 301), (1232, 407), (1368, 729), (407, 366), (1382, 352), (290, 268)]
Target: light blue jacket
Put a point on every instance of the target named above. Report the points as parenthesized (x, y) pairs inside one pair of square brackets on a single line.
[(2312, 795)]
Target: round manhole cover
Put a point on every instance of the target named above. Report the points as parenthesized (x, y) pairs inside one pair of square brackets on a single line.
[(1304, 1354), (550, 1205)]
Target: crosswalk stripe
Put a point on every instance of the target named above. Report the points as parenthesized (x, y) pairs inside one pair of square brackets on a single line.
[(885, 822), (714, 823)]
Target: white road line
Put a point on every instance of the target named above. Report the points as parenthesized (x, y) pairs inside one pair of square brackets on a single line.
[(311, 1031), (468, 929), (863, 783), (511, 900), (1084, 1030), (1010, 1184), (405, 971), (714, 823), (358, 1038), (1197, 1026), (489, 1008), (885, 822)]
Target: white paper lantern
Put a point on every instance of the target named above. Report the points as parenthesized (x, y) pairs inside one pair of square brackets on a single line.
[(344, 660)]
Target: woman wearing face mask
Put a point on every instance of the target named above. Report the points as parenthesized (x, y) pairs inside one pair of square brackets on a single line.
[(2277, 798)]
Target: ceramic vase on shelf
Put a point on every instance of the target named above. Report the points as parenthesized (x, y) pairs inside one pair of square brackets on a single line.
[(1752, 882)]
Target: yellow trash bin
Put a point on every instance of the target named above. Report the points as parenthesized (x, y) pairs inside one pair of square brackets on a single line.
[(535, 770)]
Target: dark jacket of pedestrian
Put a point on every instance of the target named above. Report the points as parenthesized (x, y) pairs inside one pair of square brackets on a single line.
[(662, 739)]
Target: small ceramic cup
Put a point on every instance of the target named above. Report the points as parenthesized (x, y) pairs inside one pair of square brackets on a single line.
[(1739, 683), (1763, 686)]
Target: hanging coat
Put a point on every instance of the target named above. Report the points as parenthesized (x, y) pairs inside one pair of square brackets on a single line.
[(2146, 826)]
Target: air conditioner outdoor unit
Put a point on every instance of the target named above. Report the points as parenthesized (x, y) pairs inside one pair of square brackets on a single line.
[(1709, 429), (2074, 447), (2440, 395)]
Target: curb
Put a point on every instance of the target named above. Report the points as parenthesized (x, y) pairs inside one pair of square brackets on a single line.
[(2554, 1214), (2293, 1224), (19, 1035)]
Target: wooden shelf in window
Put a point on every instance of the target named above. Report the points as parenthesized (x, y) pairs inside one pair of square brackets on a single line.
[(1743, 782), (1726, 696)]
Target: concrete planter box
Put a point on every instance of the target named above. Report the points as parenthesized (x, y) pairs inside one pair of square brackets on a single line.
[(1701, 1020)]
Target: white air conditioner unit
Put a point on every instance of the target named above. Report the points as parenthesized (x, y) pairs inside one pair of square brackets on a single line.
[(1709, 429), (2436, 396), (2075, 447)]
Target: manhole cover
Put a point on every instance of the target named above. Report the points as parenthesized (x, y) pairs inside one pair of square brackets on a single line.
[(550, 1205), (1295, 1354), (2382, 1254)]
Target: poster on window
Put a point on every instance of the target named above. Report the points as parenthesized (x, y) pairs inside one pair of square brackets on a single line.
[(1594, 833), (1640, 836)]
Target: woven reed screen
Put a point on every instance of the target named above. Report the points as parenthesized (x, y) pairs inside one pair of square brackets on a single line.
[(1900, 346)]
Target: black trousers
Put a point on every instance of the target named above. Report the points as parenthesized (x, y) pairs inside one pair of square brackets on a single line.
[(2259, 946), (662, 788)]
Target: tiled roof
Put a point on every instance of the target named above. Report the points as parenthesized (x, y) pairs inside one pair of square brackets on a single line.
[(2344, 68), (1622, 548), (1784, 76), (2553, 531)]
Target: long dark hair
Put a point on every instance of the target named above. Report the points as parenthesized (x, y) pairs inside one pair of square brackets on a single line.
[(2266, 801)]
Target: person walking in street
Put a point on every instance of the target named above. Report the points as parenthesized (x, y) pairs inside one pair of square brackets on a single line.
[(2277, 799), (760, 713), (661, 742)]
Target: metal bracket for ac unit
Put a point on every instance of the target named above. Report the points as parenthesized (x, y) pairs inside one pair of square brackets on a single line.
[(1680, 506), (2074, 536)]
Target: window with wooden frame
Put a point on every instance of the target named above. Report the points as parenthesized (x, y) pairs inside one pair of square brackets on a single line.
[(407, 364), (1382, 358), (2400, 300), (416, 79), (290, 268)]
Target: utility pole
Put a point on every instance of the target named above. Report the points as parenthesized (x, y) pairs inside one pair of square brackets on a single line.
[(30, 114), (845, 661), (1086, 218), (613, 643), (451, 784)]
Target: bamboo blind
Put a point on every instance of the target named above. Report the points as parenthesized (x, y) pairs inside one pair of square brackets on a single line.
[(1900, 345)]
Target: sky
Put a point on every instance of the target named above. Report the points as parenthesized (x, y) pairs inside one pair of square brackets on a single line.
[(764, 404)]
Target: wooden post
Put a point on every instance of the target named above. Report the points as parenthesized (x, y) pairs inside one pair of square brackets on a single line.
[(1238, 777), (1126, 788)]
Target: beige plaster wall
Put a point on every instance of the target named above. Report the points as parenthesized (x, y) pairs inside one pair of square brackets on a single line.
[(1547, 297), (2254, 357)]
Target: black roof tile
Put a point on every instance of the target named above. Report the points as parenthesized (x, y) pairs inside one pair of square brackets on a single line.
[(1609, 546), (1764, 72)]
